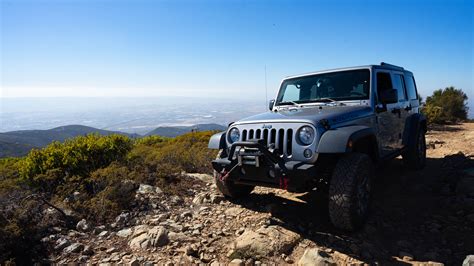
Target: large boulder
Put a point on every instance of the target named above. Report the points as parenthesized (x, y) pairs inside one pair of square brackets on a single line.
[(145, 237), (315, 257), (468, 261), (266, 241)]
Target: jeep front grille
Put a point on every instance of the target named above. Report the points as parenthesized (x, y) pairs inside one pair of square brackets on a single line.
[(281, 138)]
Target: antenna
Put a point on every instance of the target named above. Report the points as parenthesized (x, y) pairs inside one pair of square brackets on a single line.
[(266, 97)]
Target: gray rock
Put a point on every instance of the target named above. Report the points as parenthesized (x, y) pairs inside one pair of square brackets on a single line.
[(82, 226), (468, 261), (103, 234), (122, 218), (186, 214), (201, 198), (234, 211), (145, 189), (149, 237), (125, 232), (236, 262), (264, 242), (62, 243), (74, 248), (315, 257)]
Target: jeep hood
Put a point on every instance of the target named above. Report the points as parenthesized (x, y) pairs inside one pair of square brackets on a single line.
[(334, 114)]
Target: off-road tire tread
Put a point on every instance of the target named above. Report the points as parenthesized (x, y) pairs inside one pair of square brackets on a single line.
[(342, 187), (410, 157)]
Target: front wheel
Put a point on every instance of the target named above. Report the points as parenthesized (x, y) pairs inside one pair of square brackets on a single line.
[(349, 191), (415, 156), (228, 188)]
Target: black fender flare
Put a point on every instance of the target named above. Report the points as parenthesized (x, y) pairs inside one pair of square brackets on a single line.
[(337, 140), (413, 124), (217, 141)]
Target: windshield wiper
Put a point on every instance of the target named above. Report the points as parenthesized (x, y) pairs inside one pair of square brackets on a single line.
[(289, 103), (325, 99)]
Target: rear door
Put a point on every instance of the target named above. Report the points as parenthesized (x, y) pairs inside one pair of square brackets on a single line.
[(403, 105)]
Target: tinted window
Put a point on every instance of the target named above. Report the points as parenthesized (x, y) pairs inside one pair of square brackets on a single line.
[(384, 82), (411, 88), (400, 86), (342, 85)]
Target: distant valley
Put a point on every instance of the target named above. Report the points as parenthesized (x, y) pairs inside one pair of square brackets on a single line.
[(20, 142)]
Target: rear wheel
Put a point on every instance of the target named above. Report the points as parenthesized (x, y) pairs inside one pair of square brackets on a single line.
[(415, 156), (349, 191), (229, 188)]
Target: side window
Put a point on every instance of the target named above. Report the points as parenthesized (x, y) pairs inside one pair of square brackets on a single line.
[(411, 88), (399, 85), (384, 82)]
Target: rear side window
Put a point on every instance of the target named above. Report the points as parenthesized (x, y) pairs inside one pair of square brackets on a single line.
[(399, 84), (411, 87)]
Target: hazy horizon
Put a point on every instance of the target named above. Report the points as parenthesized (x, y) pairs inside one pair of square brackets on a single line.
[(131, 115)]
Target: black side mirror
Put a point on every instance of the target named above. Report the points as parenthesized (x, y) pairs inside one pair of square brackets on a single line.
[(270, 104), (389, 96)]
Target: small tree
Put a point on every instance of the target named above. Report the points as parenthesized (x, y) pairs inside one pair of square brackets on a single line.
[(446, 105)]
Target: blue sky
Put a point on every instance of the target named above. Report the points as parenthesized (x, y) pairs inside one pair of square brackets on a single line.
[(220, 48)]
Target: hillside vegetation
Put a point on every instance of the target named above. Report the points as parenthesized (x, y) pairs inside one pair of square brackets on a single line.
[(19, 143), (92, 177)]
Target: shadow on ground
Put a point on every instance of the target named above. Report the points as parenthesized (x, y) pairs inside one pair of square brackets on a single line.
[(428, 214)]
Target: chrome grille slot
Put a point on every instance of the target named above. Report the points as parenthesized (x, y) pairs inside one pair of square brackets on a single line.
[(265, 137), (279, 136), (289, 142), (273, 136)]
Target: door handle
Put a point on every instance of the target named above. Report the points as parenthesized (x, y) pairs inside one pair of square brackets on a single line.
[(408, 108)]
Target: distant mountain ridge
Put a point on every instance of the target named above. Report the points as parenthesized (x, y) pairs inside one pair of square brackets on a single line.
[(19, 143)]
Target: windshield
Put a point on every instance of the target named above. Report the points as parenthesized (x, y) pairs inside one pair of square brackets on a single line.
[(327, 87)]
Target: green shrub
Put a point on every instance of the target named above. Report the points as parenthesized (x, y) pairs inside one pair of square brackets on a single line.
[(75, 157), (446, 105), (169, 157)]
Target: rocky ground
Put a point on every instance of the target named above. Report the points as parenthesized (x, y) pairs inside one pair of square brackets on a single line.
[(420, 218)]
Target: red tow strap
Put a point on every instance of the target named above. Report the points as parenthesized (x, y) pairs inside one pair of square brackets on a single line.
[(284, 183)]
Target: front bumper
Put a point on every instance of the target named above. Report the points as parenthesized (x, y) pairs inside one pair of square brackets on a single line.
[(251, 163)]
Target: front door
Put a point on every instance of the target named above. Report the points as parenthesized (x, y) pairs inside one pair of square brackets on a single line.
[(388, 116)]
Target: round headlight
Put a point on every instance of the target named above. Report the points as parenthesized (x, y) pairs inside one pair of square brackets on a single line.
[(234, 135), (306, 135)]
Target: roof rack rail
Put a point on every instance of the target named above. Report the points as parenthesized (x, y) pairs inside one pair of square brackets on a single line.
[(391, 66)]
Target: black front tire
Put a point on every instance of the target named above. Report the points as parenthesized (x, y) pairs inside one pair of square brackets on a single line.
[(415, 156), (228, 188), (349, 191)]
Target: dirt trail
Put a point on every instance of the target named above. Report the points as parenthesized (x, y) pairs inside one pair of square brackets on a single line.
[(417, 217)]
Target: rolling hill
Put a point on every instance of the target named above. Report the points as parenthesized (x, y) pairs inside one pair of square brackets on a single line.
[(19, 143), (180, 130)]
